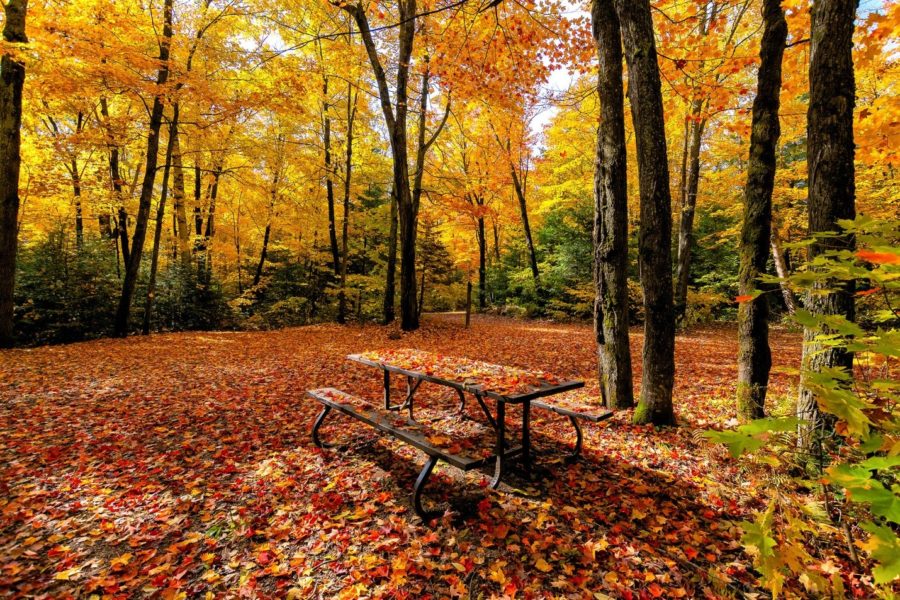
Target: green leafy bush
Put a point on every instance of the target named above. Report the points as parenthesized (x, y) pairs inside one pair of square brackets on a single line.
[(857, 454)]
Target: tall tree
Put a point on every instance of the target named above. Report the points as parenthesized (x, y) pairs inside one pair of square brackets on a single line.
[(654, 245), (611, 215), (395, 112), (754, 354), (133, 264), (12, 82), (157, 231), (832, 185)]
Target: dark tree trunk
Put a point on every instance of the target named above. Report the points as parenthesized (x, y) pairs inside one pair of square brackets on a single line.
[(390, 286), (265, 245), (345, 224), (157, 232), (482, 263), (395, 118), (329, 183), (133, 264), (688, 207), (832, 191), (179, 194), (76, 194), (198, 213), (121, 229), (526, 226), (611, 216), (754, 354), (654, 245), (12, 82)]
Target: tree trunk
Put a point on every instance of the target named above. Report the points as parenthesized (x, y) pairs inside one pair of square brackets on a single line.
[(345, 224), (395, 120), (390, 286), (526, 226), (76, 195), (482, 263), (329, 183), (688, 207), (12, 82), (422, 291), (754, 354), (781, 269), (611, 216), (654, 245), (832, 192), (178, 195), (133, 265), (265, 245), (157, 233)]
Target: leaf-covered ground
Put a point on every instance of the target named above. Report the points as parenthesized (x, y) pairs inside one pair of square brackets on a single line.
[(181, 466)]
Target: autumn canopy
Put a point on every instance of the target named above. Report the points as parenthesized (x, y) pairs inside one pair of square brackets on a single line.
[(691, 207)]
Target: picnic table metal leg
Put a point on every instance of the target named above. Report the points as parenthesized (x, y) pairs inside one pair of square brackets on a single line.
[(411, 389), (462, 400), (417, 490), (578, 439), (526, 438), (501, 444), (315, 430), (486, 410), (387, 389)]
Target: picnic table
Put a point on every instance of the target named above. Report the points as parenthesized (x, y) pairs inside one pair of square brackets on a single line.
[(483, 381)]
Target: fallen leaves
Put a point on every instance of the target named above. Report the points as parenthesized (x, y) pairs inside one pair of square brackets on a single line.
[(181, 465)]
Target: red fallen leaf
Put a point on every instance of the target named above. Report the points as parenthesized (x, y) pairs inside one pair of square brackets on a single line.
[(868, 292), (264, 558), (881, 258), (690, 552), (743, 298), (655, 590)]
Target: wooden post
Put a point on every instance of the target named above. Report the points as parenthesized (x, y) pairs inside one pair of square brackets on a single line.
[(468, 303)]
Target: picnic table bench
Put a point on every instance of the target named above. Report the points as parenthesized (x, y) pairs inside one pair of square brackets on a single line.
[(479, 445)]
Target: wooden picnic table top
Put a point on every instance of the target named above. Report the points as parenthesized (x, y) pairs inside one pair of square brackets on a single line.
[(505, 384)]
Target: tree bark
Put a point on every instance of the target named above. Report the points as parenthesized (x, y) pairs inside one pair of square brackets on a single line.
[(390, 286), (265, 245), (526, 226), (157, 232), (12, 82), (832, 191), (178, 194), (345, 224), (133, 265), (329, 183), (655, 254), (688, 208), (611, 216), (754, 354), (395, 118)]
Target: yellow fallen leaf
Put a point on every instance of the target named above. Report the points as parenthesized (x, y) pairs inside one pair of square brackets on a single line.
[(543, 565), (68, 574)]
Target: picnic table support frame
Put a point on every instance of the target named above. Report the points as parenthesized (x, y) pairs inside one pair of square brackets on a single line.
[(315, 430), (425, 515), (387, 389), (501, 444), (579, 439)]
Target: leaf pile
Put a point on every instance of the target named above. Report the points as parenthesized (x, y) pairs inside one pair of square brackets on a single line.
[(181, 466)]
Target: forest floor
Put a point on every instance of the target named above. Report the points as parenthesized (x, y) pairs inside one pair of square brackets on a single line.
[(181, 465)]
